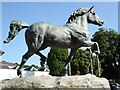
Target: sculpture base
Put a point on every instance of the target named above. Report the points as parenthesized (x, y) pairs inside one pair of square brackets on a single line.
[(87, 82)]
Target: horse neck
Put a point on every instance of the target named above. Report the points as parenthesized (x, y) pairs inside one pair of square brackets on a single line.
[(81, 22)]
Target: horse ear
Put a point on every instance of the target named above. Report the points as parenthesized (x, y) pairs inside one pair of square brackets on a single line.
[(90, 8)]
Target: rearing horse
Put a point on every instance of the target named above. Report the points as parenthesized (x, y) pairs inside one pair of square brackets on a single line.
[(74, 34)]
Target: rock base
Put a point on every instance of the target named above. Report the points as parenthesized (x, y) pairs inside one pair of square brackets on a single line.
[(85, 82)]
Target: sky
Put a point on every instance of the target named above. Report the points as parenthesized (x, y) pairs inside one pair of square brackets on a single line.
[(53, 12), (119, 17)]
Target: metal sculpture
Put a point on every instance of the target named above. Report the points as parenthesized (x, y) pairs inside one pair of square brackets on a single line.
[(74, 34)]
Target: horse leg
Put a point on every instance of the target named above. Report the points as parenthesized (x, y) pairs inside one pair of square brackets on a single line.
[(43, 58), (38, 39), (98, 66), (96, 49), (91, 58), (72, 53), (94, 46), (34, 43), (97, 52), (24, 59)]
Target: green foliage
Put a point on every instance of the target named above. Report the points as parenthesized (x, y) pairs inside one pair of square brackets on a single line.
[(84, 61), (28, 66), (56, 60), (96, 67), (17, 64), (35, 66), (109, 42), (81, 63)]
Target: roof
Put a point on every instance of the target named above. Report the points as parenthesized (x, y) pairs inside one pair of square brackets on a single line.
[(7, 63), (4, 67)]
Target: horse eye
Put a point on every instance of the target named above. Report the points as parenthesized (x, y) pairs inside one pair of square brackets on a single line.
[(93, 13)]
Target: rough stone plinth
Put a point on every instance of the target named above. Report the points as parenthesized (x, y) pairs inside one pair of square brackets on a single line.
[(32, 82)]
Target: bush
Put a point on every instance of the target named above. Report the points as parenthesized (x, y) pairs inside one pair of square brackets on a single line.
[(56, 61)]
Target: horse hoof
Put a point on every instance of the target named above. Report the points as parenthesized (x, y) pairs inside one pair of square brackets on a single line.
[(18, 72), (66, 75), (64, 70)]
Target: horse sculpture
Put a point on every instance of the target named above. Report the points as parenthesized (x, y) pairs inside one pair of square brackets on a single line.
[(74, 34)]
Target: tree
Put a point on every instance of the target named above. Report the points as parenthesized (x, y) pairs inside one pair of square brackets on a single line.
[(56, 60), (81, 63), (109, 42)]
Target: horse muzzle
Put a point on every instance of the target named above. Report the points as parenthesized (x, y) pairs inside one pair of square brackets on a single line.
[(9, 38), (101, 23), (6, 41)]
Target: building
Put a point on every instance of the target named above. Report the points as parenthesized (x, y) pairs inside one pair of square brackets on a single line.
[(9, 70), (7, 65)]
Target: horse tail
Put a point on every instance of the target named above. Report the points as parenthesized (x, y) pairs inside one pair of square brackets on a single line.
[(19, 24), (15, 27), (24, 25)]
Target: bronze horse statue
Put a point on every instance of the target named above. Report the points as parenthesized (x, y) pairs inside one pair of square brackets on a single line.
[(74, 34)]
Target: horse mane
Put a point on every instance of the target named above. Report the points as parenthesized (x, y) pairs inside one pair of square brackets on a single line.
[(77, 13)]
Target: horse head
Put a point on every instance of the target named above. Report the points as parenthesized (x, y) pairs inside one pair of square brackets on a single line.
[(90, 15), (93, 18), (15, 27)]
